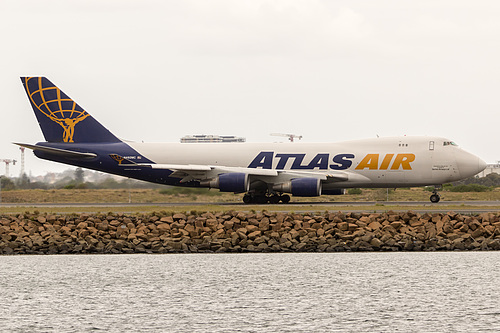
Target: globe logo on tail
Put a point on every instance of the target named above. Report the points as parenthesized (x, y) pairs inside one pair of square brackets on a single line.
[(117, 158), (56, 106)]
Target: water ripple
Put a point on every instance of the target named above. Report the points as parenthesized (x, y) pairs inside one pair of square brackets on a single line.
[(299, 292)]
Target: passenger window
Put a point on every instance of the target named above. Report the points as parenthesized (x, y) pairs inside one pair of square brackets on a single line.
[(431, 145)]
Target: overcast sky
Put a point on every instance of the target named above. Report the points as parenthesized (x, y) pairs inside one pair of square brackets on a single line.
[(155, 71)]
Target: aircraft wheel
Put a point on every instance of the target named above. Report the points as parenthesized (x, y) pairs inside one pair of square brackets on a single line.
[(285, 198), (274, 199), (435, 198), (247, 198)]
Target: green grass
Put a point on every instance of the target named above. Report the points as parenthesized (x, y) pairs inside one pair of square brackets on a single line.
[(210, 200), (178, 191), (377, 208)]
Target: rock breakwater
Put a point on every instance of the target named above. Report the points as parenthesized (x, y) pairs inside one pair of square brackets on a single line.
[(33, 233)]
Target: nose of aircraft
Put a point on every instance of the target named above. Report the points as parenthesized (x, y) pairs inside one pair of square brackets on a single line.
[(469, 165)]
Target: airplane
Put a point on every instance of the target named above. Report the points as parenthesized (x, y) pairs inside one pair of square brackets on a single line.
[(265, 172)]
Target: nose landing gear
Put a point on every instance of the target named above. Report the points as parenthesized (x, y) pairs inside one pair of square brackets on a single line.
[(435, 197)]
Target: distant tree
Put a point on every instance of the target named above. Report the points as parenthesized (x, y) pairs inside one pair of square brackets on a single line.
[(109, 183), (469, 188), (492, 179), (7, 184), (61, 183), (23, 182), (79, 175), (39, 185)]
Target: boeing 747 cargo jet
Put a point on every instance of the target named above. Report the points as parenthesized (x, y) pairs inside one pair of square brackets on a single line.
[(265, 172)]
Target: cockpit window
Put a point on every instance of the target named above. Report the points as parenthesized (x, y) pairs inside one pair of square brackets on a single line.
[(449, 143)]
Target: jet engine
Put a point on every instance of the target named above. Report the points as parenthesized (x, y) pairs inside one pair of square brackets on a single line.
[(229, 182), (300, 187)]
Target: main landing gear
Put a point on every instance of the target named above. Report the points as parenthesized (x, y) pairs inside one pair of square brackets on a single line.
[(435, 197), (264, 198)]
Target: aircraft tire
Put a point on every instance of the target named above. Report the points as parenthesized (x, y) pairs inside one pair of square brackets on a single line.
[(435, 198), (247, 199), (285, 198), (274, 199)]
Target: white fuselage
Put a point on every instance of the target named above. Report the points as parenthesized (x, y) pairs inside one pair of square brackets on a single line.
[(377, 162)]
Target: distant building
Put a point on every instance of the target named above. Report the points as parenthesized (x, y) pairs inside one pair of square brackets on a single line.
[(211, 138), (490, 168)]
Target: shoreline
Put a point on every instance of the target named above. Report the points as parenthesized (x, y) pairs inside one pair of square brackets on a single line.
[(235, 232)]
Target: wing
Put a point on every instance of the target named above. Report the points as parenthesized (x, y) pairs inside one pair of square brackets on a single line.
[(193, 172)]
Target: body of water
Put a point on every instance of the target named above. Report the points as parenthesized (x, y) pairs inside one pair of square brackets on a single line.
[(288, 292)]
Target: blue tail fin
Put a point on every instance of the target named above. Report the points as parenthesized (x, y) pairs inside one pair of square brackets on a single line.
[(60, 118)]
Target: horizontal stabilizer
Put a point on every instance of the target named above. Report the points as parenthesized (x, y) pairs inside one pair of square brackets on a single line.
[(57, 151)]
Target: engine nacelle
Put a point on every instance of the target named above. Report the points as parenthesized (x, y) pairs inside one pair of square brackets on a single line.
[(300, 187), (229, 182)]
